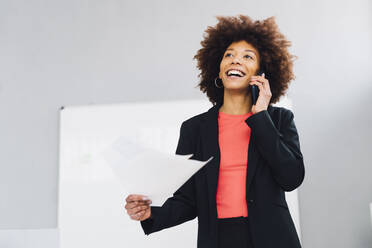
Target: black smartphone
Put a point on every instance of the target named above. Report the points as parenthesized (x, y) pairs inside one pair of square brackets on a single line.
[(255, 90)]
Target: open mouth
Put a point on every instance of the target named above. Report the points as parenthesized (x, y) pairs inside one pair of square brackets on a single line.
[(234, 73)]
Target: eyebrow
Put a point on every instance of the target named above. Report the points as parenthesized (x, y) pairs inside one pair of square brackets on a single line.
[(247, 50)]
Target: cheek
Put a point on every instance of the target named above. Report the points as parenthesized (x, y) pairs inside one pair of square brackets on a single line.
[(252, 66), (222, 65)]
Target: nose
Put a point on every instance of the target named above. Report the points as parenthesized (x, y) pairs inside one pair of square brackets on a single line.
[(236, 60)]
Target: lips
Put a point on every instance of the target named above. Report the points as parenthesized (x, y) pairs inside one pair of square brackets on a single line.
[(234, 72)]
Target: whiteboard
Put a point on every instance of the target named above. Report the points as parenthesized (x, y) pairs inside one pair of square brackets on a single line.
[(91, 200)]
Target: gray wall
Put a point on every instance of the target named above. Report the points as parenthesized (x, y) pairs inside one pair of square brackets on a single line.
[(55, 53)]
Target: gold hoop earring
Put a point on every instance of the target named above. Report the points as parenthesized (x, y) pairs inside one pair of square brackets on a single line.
[(215, 83)]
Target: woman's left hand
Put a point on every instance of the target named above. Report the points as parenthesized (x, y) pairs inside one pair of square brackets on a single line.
[(264, 95)]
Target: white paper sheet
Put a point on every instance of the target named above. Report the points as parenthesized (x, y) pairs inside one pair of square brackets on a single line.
[(141, 170)]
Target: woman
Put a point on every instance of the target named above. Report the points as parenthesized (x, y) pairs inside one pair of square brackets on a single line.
[(238, 196)]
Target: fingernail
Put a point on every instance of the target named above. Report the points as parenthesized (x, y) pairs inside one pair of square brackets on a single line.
[(145, 198)]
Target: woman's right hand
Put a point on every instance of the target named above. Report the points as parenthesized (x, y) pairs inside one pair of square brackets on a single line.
[(138, 207)]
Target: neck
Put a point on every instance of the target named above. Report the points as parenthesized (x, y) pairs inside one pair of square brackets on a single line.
[(236, 104)]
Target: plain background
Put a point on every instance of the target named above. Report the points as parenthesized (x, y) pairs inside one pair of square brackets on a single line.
[(91, 189), (55, 53)]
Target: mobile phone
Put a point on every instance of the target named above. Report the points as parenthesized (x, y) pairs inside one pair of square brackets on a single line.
[(255, 90)]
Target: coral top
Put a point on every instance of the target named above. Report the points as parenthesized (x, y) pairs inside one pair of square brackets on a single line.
[(233, 138)]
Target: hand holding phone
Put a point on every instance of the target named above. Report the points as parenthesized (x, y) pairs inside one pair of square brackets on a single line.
[(255, 90)]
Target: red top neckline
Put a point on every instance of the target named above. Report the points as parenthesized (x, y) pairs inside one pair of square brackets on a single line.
[(233, 116)]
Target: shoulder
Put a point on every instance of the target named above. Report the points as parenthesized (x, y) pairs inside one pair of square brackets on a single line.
[(279, 113), (280, 116), (190, 135), (193, 123)]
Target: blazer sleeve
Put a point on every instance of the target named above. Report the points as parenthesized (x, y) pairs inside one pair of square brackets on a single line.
[(181, 207), (281, 149)]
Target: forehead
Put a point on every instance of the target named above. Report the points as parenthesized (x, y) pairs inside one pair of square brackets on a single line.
[(242, 45)]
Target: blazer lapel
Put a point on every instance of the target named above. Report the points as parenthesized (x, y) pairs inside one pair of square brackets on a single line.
[(209, 133), (253, 156)]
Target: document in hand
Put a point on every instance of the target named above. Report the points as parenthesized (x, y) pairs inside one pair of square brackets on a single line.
[(145, 171)]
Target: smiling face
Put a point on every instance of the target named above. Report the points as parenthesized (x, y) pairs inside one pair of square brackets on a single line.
[(242, 57)]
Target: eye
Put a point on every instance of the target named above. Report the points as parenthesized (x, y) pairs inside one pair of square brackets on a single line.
[(227, 54), (248, 56)]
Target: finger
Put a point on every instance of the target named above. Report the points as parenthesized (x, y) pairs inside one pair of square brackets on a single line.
[(133, 197), (260, 79), (135, 204), (137, 209), (134, 216), (138, 216), (265, 84), (137, 198), (139, 202), (264, 91), (132, 212), (262, 76), (137, 213), (147, 202), (259, 84)]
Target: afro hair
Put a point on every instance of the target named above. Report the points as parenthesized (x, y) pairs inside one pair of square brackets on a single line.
[(275, 60)]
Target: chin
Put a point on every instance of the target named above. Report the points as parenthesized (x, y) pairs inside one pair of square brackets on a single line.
[(237, 89), (236, 85)]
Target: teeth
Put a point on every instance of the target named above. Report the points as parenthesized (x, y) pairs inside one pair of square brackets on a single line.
[(235, 72)]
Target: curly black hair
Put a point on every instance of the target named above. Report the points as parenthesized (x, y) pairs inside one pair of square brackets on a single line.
[(276, 61)]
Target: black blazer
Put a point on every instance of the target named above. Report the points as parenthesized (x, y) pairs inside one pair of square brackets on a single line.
[(275, 164)]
